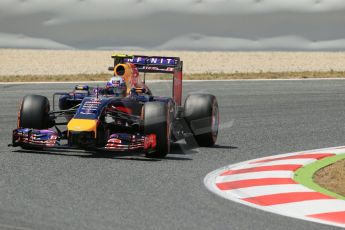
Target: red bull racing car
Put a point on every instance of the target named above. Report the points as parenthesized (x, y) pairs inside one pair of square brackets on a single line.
[(123, 116)]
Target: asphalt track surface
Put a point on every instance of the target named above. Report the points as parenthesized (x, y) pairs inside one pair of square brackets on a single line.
[(78, 190)]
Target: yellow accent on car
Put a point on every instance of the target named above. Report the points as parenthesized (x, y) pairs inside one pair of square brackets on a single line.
[(82, 125), (127, 74), (121, 55)]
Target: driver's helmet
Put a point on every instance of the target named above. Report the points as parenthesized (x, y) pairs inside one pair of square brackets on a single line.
[(117, 86)]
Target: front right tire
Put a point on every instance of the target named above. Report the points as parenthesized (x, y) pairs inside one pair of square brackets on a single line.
[(33, 112)]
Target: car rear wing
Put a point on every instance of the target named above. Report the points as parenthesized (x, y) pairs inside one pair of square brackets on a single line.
[(156, 64), (149, 64)]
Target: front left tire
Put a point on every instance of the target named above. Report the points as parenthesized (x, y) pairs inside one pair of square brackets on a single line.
[(157, 121)]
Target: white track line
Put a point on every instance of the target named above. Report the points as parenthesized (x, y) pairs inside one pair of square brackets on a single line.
[(155, 81)]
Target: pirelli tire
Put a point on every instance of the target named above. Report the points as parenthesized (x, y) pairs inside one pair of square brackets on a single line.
[(201, 114), (33, 112), (156, 117)]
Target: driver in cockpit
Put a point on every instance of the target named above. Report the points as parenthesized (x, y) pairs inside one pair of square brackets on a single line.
[(116, 86)]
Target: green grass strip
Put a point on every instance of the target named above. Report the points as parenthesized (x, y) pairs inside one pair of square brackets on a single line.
[(186, 76), (304, 175)]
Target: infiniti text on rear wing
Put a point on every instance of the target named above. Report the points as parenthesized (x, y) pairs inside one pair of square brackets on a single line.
[(150, 64)]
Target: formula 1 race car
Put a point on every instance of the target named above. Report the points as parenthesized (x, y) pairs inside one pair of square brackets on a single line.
[(132, 119)]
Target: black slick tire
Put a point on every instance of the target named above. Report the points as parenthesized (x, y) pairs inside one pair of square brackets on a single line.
[(157, 121), (201, 114), (34, 112)]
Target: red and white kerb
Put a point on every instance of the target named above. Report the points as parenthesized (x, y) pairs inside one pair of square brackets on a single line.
[(268, 184)]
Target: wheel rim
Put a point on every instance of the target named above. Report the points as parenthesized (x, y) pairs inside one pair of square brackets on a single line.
[(215, 121), (168, 129)]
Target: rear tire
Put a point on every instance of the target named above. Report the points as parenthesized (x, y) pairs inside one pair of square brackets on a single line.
[(157, 121), (202, 117), (34, 112)]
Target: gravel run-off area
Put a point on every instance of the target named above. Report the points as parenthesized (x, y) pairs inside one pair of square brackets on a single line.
[(332, 177), (56, 62)]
